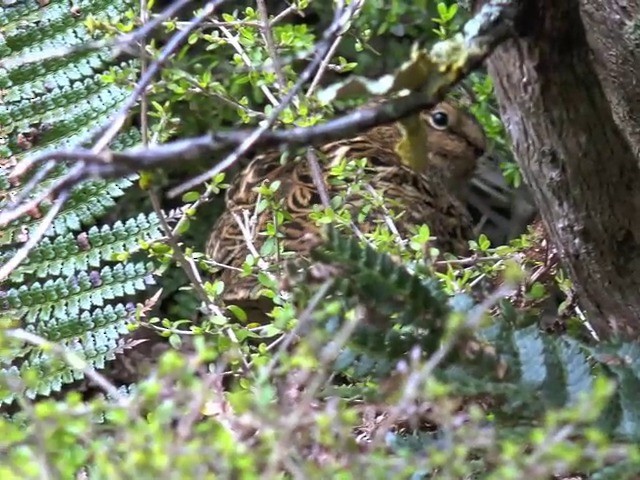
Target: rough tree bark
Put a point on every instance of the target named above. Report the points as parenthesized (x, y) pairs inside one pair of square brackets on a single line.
[(569, 94)]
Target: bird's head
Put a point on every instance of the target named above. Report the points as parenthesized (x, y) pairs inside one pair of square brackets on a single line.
[(445, 141), (455, 142)]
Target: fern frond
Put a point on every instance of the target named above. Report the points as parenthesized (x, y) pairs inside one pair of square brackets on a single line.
[(524, 371), (67, 254), (65, 291), (43, 371), (402, 310), (375, 277), (48, 305)]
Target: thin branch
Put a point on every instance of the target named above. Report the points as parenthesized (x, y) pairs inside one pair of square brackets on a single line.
[(269, 41), (247, 61), (321, 188), (391, 225), (144, 101), (417, 378), (62, 184), (187, 266), (304, 321), (285, 13), (330, 52), (116, 123), (31, 185), (71, 358), (317, 177), (34, 237), (336, 26), (40, 436), (469, 261)]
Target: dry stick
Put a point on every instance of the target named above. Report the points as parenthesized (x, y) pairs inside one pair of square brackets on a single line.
[(291, 422), (18, 211), (34, 237), (321, 187), (317, 177), (211, 383), (188, 267), (265, 27), (303, 323), (334, 29), (193, 274), (469, 261), (144, 101), (33, 182), (387, 216), (327, 58), (287, 11), (79, 155), (245, 229), (40, 438), (227, 101)]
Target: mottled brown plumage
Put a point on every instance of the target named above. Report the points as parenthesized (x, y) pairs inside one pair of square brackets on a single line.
[(430, 190)]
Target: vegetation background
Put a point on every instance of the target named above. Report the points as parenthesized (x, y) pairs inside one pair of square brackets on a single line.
[(115, 360)]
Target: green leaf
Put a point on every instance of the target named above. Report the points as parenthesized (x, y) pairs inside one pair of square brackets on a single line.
[(238, 312)]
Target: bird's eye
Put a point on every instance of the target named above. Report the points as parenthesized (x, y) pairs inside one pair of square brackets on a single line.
[(439, 120)]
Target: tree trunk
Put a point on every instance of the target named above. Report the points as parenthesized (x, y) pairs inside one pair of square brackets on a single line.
[(569, 94)]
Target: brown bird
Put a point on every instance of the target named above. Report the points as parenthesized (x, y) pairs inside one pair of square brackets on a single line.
[(420, 173)]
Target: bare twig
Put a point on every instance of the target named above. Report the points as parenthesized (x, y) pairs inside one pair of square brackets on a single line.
[(321, 187), (31, 185), (301, 327), (46, 463), (318, 179), (144, 102), (387, 216), (115, 123), (72, 359), (187, 266), (283, 14), (341, 17), (417, 378), (327, 58), (34, 237), (269, 41), (469, 261), (314, 381), (247, 61), (245, 228)]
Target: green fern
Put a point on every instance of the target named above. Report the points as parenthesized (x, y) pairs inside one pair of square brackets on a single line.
[(524, 371), (65, 291), (369, 275), (69, 253)]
